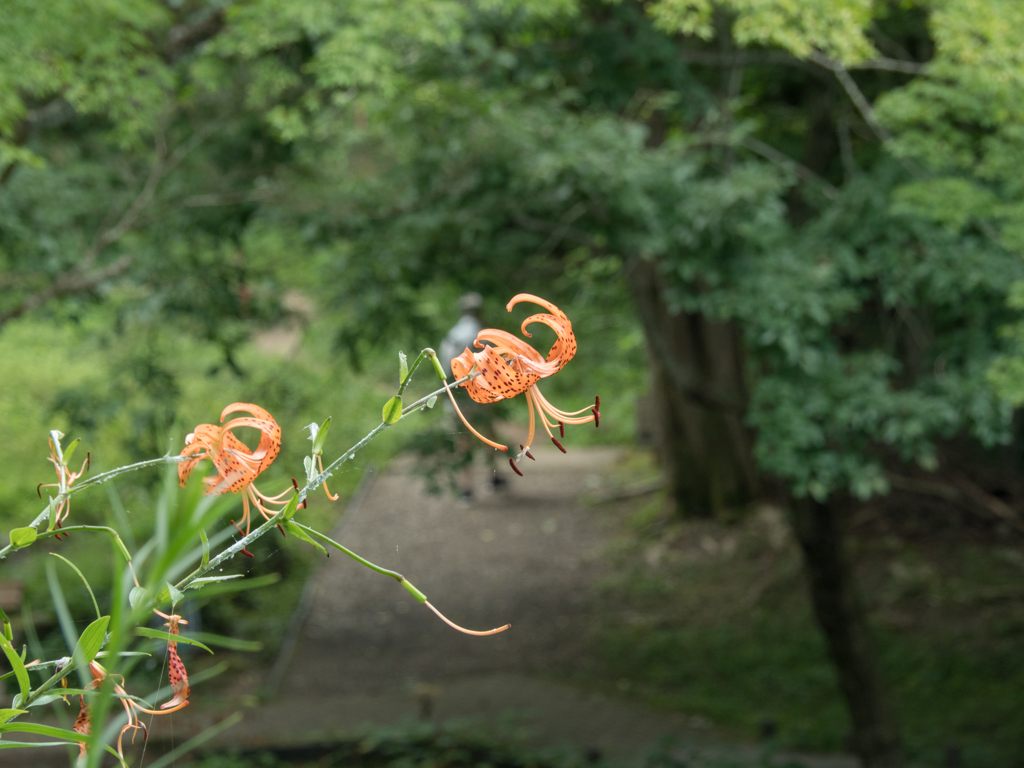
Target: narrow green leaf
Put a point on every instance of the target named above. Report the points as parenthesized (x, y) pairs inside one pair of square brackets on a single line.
[(289, 511), (22, 744), (209, 590), (22, 537), (307, 463), (231, 643), (138, 596), (403, 367), (175, 594), (392, 410), (17, 665), (213, 579), (70, 450), (159, 634), (321, 437), (44, 730), (292, 528), (49, 730), (7, 714), (49, 699), (84, 581), (90, 642)]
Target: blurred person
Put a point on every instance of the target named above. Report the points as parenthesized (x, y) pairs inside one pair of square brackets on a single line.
[(463, 335)]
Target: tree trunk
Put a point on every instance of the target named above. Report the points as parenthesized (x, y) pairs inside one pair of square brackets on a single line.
[(699, 401), (820, 530)]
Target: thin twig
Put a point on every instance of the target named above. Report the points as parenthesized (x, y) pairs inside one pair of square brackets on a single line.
[(769, 152)]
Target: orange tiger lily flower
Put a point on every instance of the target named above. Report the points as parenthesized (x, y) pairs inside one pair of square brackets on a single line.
[(508, 366), (176, 674), (237, 466), (83, 724)]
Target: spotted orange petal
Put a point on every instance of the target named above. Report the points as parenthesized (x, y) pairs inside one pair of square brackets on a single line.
[(564, 349)]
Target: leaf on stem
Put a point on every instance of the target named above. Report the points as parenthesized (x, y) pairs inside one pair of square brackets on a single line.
[(208, 590), (175, 594), (138, 596), (71, 449), (231, 643), (403, 367), (90, 642), (22, 537), (159, 634), (392, 410), (17, 665), (7, 714), (289, 511), (295, 530), (321, 437)]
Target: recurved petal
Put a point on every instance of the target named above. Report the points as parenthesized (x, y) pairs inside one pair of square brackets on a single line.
[(519, 298), (255, 410), (506, 343), (463, 364), (270, 439), (563, 350), (186, 468)]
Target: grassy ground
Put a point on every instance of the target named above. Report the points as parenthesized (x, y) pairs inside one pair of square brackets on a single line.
[(713, 620)]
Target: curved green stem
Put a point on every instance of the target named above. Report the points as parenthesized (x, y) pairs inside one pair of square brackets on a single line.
[(67, 529)]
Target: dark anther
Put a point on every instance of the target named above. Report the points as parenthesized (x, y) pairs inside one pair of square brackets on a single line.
[(39, 490), (281, 530), (561, 429), (88, 459), (296, 484), (512, 463), (529, 455), (555, 441), (597, 401), (597, 417), (247, 553)]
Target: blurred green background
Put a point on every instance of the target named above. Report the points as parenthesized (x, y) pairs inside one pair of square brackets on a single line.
[(788, 235)]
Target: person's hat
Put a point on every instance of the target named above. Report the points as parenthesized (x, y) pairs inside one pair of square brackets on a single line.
[(470, 302)]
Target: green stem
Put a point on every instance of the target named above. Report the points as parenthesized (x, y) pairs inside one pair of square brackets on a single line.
[(412, 369), (383, 571), (102, 478), (67, 529), (57, 677)]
